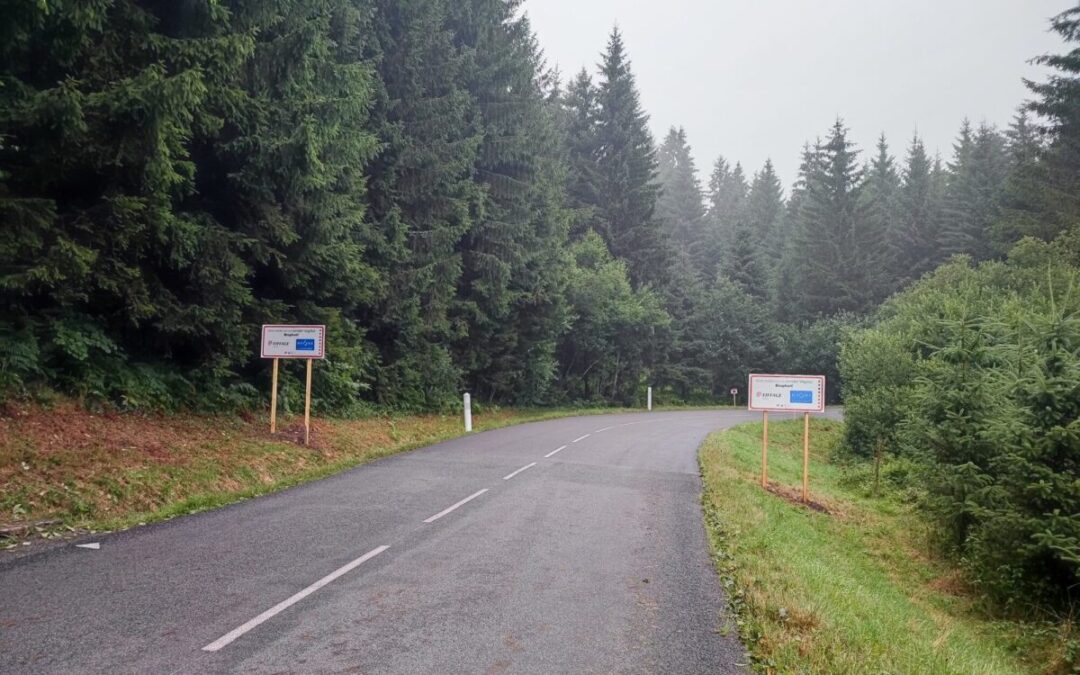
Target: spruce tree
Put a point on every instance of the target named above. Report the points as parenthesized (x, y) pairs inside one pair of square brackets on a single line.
[(113, 256), (973, 199), (422, 197), (766, 209), (838, 258), (880, 195), (725, 197), (579, 113), (626, 168), (913, 240), (753, 250), (679, 207), (1044, 200), (510, 304)]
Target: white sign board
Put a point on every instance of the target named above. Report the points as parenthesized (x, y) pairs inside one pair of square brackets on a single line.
[(293, 342), (791, 393)]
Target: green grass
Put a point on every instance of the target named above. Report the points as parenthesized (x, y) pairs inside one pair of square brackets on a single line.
[(855, 590)]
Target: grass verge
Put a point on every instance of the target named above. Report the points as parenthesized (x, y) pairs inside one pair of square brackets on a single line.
[(853, 590), (74, 470)]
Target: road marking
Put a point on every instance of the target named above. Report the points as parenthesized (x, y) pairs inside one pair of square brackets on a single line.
[(581, 439), (285, 604), (527, 466), (468, 499), (604, 429), (554, 451), (95, 546)]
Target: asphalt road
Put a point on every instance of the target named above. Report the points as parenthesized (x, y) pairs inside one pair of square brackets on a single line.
[(591, 560)]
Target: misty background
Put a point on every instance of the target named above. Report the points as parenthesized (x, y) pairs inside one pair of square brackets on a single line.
[(751, 81)]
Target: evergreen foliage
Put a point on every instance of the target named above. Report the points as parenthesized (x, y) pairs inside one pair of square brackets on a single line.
[(974, 372), (410, 173)]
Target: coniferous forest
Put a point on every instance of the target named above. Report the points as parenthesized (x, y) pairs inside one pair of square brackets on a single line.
[(412, 174)]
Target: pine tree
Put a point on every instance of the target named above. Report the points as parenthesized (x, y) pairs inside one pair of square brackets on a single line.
[(754, 247), (973, 199), (787, 292), (112, 258), (579, 112), (766, 209), (679, 207), (1025, 194), (510, 301), (726, 194), (913, 241), (838, 256), (626, 167), (880, 195), (423, 197), (1044, 200)]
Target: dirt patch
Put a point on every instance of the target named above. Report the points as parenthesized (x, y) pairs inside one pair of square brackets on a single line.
[(794, 495), (953, 584)]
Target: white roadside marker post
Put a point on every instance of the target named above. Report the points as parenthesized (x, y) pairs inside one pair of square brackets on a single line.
[(650, 398), (468, 413)]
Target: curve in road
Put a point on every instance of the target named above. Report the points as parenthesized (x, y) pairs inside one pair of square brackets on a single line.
[(567, 546)]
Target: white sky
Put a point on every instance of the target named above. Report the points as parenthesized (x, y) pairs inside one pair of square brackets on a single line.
[(753, 79)]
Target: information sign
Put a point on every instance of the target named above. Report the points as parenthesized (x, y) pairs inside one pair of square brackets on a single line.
[(787, 393)]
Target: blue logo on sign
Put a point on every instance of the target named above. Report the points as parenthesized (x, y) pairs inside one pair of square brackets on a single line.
[(305, 345), (802, 396)]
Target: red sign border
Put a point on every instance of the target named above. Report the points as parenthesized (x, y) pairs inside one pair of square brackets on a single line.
[(750, 393), (322, 340)]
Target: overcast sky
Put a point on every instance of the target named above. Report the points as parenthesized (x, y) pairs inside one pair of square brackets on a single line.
[(756, 79)]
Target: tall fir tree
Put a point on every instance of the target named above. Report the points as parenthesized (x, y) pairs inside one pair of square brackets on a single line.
[(977, 175), (913, 241), (880, 195), (422, 196), (679, 207), (578, 114), (626, 168), (753, 250), (1022, 193), (838, 255), (725, 197), (510, 306), (1044, 197)]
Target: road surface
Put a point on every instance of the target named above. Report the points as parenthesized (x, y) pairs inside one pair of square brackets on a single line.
[(568, 546)]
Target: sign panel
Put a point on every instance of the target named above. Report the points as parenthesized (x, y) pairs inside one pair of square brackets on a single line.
[(293, 342), (791, 393)]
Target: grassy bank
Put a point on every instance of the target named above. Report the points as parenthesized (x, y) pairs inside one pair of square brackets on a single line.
[(89, 471), (855, 589)]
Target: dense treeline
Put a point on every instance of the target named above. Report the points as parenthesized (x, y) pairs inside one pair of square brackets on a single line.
[(411, 174), (972, 376)]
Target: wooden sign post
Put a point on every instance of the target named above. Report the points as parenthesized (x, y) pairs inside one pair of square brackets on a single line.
[(293, 342), (786, 393), (806, 458), (764, 448), (273, 398)]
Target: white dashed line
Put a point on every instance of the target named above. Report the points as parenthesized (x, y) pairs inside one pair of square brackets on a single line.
[(285, 604), (527, 466), (554, 451), (468, 499), (581, 439), (604, 429)]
